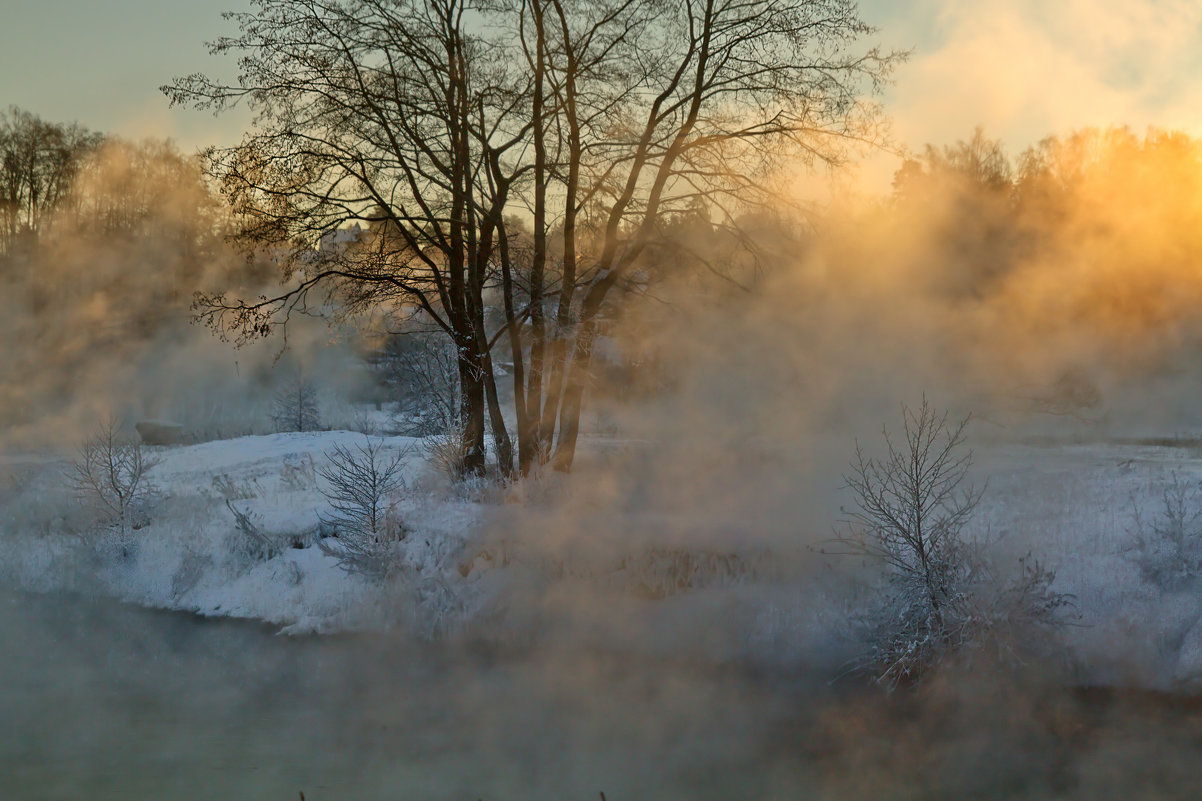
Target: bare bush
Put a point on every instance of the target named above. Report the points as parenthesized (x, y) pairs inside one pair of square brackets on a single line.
[(448, 453), (1169, 546), (233, 489), (193, 566), (422, 372), (940, 594), (663, 572), (362, 422), (362, 524), (294, 407), (111, 474), (298, 473), (252, 543)]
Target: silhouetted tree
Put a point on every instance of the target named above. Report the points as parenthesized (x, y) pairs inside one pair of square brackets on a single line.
[(294, 406), (38, 163), (964, 194), (432, 120)]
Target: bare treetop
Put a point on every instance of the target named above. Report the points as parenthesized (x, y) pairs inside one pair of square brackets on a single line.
[(437, 123)]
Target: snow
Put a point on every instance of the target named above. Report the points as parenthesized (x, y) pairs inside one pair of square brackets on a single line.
[(185, 560), (1073, 506)]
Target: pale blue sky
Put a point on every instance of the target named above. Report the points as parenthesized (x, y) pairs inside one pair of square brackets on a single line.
[(101, 62), (1021, 68)]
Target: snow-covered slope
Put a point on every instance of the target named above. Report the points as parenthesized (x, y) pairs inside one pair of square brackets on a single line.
[(190, 555)]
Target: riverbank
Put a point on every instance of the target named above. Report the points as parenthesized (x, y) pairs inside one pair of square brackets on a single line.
[(585, 562)]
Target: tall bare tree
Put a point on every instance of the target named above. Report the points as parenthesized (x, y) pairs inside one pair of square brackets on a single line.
[(381, 112), (436, 120), (38, 163), (658, 105)]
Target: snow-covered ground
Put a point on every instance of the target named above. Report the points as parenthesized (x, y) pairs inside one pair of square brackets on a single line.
[(469, 564), (188, 556), (1089, 511)]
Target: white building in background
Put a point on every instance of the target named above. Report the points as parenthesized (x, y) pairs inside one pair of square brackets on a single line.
[(339, 239)]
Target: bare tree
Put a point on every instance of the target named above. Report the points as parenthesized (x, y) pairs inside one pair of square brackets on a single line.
[(436, 121), (1168, 547), (940, 593), (111, 472), (294, 407), (421, 371), (39, 161), (382, 112), (732, 89), (912, 505), (361, 487)]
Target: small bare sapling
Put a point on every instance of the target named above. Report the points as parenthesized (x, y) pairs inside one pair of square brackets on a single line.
[(111, 474), (939, 594), (362, 485), (1169, 545), (294, 407)]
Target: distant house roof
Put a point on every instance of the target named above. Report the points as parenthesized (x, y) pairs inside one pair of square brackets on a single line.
[(339, 238)]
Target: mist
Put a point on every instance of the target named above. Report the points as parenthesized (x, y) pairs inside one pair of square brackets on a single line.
[(670, 619), (99, 297)]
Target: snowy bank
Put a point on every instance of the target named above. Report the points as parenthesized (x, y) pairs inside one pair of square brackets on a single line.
[(501, 564)]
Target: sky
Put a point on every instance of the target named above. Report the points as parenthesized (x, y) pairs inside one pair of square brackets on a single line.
[(1022, 69), (101, 63)]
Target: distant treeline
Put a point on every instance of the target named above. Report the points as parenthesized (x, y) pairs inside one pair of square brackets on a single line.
[(103, 243), (1081, 253)]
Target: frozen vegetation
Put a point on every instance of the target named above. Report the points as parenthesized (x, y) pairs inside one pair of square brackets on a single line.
[(232, 527), (256, 527)]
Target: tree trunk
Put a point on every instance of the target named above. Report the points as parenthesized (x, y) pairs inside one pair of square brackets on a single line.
[(538, 266), (526, 449), (501, 441), (575, 383), (567, 287), (471, 411)]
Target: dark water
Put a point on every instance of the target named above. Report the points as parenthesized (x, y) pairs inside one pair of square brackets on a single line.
[(105, 701), (100, 700)]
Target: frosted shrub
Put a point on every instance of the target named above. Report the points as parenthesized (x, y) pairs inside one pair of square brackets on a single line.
[(110, 474), (231, 489), (249, 542), (439, 608), (422, 370), (1169, 546), (298, 473), (446, 452), (938, 593), (294, 406), (363, 527)]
